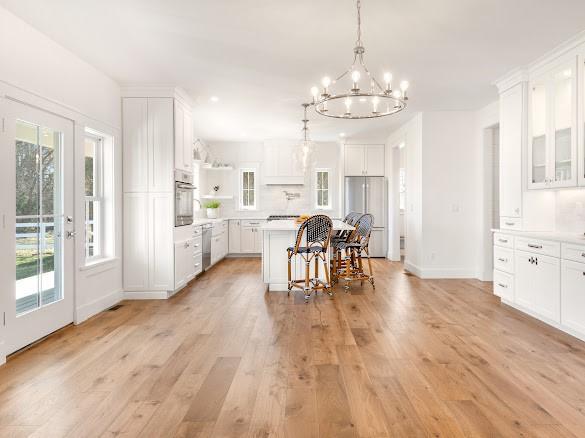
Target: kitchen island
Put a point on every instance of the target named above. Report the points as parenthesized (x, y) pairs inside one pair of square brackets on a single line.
[(277, 236)]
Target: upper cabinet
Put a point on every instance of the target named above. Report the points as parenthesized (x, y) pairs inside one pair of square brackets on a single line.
[(282, 164), (581, 119), (148, 139), (511, 123), (552, 127), (183, 138), (364, 160)]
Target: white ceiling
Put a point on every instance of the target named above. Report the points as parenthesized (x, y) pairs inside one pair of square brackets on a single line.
[(260, 57)]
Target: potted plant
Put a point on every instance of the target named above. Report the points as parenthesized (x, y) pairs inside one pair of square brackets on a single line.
[(212, 209)]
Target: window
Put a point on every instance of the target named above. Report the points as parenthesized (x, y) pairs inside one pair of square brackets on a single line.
[(402, 188), (322, 188), (94, 199), (248, 189), (99, 196)]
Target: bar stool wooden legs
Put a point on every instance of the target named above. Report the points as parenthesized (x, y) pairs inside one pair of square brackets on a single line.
[(316, 233)]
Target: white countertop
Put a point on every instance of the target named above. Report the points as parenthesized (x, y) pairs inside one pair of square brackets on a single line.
[(546, 235), (290, 225)]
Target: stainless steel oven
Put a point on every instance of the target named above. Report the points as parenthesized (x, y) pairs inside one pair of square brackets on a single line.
[(183, 198)]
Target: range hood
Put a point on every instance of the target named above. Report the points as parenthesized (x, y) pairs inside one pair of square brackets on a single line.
[(280, 167)]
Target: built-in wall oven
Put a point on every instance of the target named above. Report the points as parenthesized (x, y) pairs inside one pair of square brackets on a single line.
[(183, 198)]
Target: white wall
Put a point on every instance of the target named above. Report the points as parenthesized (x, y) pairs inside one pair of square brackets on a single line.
[(271, 198), (450, 195), (37, 71)]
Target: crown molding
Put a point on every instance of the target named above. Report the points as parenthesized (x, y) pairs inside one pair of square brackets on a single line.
[(170, 91)]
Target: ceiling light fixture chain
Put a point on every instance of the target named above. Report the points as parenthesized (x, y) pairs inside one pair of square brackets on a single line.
[(369, 102)]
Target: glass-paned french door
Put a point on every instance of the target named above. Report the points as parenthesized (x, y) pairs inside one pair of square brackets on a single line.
[(39, 188)]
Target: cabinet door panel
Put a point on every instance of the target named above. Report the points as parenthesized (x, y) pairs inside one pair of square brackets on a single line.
[(179, 136), (355, 160), (180, 265), (234, 237), (247, 240), (161, 144), (188, 141), (573, 296), (374, 160), (538, 284), (161, 241), (538, 144), (135, 138), (136, 232), (511, 112), (377, 245)]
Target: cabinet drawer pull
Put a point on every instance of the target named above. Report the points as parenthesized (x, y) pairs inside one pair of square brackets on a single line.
[(503, 260), (583, 254), (197, 264), (186, 245), (503, 240), (531, 245), (505, 286), (510, 224)]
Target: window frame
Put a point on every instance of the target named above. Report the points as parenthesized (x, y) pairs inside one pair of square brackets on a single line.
[(254, 189), (316, 189), (98, 199)]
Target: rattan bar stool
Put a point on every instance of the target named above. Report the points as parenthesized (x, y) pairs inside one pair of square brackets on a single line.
[(312, 244), (337, 261), (356, 248)]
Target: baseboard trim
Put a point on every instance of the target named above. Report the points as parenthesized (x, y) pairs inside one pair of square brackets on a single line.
[(88, 310), (146, 295), (439, 273)]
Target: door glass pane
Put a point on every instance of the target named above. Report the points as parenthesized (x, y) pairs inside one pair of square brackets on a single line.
[(563, 114), (538, 133), (38, 216)]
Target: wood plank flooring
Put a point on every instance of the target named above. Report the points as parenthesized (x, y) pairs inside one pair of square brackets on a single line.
[(223, 358)]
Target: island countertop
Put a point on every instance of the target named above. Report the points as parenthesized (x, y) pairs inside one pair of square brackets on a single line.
[(290, 225)]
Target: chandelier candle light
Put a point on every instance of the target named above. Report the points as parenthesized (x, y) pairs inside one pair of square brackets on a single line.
[(371, 101)]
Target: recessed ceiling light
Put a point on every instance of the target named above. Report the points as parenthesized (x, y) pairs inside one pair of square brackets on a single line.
[(342, 134), (214, 99)]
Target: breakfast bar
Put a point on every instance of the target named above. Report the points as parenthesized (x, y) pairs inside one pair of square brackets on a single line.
[(277, 237)]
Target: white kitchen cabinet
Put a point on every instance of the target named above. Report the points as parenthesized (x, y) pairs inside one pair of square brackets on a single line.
[(581, 121), (184, 262), (148, 144), (161, 257), (136, 238), (364, 160), (183, 138), (511, 128), (250, 236), (355, 160), (160, 144), (135, 138), (148, 237), (504, 285), (538, 284), (234, 237), (573, 295), (552, 149), (282, 164)]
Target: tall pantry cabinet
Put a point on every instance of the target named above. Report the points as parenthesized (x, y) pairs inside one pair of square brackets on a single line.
[(157, 140)]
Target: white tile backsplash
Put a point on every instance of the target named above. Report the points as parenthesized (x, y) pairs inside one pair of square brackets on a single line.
[(570, 211)]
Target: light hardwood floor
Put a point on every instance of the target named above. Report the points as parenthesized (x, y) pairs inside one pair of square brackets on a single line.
[(223, 358)]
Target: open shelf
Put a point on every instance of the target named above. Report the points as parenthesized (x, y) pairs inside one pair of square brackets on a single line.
[(217, 197), (210, 167)]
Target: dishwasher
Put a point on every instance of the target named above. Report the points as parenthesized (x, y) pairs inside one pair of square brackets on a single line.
[(206, 243)]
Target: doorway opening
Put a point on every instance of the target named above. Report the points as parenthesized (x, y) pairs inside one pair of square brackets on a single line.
[(491, 150)]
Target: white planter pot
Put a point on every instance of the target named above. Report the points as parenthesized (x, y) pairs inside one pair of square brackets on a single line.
[(212, 213)]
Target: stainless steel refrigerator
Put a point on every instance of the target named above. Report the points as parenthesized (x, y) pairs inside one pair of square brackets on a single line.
[(367, 194)]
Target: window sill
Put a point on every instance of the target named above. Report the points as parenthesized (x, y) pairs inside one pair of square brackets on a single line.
[(100, 265), (323, 208)]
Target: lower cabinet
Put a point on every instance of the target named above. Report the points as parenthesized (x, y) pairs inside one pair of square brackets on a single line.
[(573, 293), (538, 284), (184, 262), (504, 285), (219, 247), (245, 236)]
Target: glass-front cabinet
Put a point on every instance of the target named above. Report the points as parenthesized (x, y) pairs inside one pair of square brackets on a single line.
[(552, 148)]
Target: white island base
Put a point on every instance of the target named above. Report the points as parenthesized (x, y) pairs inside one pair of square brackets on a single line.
[(277, 237)]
